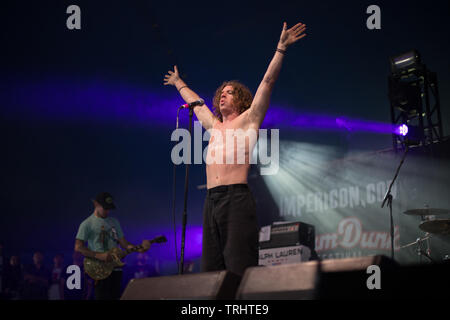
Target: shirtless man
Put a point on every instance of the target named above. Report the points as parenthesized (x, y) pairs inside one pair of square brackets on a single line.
[(230, 228)]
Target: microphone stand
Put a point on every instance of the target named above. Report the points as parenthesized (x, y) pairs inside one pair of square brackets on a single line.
[(186, 184), (388, 197)]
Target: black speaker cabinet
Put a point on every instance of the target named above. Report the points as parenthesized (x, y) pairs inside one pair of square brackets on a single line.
[(216, 285), (310, 280)]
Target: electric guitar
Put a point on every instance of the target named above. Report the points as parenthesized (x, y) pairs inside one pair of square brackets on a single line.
[(99, 270)]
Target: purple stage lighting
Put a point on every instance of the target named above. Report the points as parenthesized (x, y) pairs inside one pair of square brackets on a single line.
[(280, 117), (89, 100), (101, 101)]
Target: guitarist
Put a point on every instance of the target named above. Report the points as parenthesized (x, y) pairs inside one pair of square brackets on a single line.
[(102, 233)]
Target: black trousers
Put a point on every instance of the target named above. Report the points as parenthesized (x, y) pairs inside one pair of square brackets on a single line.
[(109, 288), (230, 229)]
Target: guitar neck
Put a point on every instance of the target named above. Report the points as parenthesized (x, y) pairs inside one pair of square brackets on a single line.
[(139, 247), (136, 248), (159, 239)]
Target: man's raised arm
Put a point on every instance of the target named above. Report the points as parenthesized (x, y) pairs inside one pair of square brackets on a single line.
[(260, 103), (202, 112)]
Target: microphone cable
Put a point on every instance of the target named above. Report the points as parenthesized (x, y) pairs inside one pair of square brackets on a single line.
[(174, 198)]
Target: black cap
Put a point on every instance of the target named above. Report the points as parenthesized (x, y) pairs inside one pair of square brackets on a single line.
[(105, 199)]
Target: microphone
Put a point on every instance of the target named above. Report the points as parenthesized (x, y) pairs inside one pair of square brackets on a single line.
[(198, 102)]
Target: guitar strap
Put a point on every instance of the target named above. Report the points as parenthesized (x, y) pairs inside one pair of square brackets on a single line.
[(102, 238), (106, 234), (115, 237)]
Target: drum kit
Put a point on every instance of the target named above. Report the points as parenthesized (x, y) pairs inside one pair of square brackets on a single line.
[(431, 226)]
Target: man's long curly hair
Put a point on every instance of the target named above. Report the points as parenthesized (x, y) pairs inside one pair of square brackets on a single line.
[(242, 97)]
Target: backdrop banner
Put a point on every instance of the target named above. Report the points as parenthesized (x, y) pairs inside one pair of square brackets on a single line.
[(342, 199)]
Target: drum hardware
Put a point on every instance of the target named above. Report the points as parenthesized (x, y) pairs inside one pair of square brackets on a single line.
[(420, 251), (430, 225), (415, 242)]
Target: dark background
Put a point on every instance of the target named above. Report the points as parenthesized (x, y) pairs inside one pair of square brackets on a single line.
[(84, 111)]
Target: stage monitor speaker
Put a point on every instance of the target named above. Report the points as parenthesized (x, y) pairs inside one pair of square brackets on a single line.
[(217, 285), (307, 280), (423, 281)]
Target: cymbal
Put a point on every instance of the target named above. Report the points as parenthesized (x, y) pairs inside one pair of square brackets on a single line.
[(426, 212), (439, 226)]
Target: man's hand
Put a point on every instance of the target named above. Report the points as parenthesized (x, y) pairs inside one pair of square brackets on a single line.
[(203, 113), (146, 244), (260, 103), (290, 36), (172, 77)]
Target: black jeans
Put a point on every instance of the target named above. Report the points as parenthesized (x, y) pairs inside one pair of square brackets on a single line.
[(109, 288), (230, 229)]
